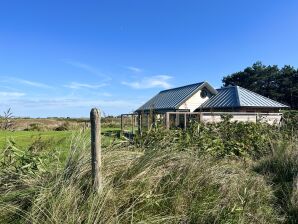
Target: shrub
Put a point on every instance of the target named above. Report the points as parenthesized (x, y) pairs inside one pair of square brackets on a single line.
[(221, 139), (36, 127), (6, 121), (290, 120), (65, 126)]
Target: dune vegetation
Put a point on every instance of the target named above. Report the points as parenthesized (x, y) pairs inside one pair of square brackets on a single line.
[(212, 173)]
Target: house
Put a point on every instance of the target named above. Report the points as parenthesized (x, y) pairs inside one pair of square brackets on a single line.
[(178, 105)]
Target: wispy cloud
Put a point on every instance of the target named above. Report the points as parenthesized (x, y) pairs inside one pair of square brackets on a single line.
[(11, 94), (31, 83), (77, 85), (73, 106), (8, 88), (106, 94), (71, 103), (87, 68), (150, 82), (134, 69), (11, 80)]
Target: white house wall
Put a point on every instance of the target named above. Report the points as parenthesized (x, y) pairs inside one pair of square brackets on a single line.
[(194, 102), (245, 117)]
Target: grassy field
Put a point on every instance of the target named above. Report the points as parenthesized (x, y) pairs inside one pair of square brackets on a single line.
[(214, 173), (24, 139)]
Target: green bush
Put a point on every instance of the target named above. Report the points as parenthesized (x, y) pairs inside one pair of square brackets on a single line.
[(221, 139), (290, 120)]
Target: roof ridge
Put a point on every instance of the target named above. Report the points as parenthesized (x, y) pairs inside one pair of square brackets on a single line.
[(264, 97), (237, 95), (192, 93), (226, 87), (179, 87), (171, 98)]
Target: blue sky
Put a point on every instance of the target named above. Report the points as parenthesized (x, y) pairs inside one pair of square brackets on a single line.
[(60, 58)]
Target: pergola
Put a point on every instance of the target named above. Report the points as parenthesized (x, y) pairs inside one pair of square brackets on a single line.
[(144, 121), (141, 122)]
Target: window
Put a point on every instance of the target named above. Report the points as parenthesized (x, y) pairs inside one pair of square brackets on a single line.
[(204, 93)]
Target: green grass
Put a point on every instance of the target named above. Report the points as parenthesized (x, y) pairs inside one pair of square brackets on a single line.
[(24, 139), (219, 173)]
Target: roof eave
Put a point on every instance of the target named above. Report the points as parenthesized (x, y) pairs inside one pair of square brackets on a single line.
[(225, 107), (156, 110)]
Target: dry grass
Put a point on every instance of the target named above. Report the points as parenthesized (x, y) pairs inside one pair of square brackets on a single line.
[(158, 182)]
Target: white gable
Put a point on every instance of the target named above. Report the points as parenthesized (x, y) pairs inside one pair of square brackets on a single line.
[(194, 102)]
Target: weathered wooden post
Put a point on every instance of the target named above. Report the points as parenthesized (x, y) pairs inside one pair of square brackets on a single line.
[(185, 122), (139, 124), (96, 149), (177, 119), (132, 123), (148, 121), (122, 120), (168, 120)]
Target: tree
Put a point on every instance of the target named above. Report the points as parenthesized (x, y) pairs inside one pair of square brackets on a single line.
[(270, 81)]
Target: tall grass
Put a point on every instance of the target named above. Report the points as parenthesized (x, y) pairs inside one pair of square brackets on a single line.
[(281, 171), (248, 175)]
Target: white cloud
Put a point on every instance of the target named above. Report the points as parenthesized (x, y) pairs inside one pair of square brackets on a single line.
[(134, 69), (11, 80), (76, 85), (9, 88), (72, 106), (106, 94), (150, 82), (87, 68), (60, 103), (11, 94), (31, 83)]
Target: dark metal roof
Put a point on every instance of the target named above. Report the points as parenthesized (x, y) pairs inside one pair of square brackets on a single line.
[(236, 96), (171, 98)]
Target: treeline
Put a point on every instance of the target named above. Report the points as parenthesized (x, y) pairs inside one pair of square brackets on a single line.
[(280, 84)]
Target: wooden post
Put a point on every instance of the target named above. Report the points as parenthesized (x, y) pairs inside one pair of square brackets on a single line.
[(96, 148), (185, 121), (177, 120), (139, 124), (121, 132), (148, 121), (132, 123), (168, 120)]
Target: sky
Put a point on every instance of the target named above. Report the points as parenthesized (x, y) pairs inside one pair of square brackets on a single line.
[(61, 58)]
